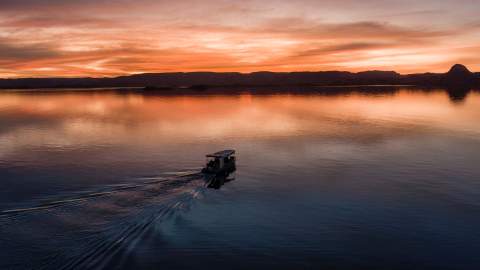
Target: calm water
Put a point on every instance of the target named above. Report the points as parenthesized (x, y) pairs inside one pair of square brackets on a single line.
[(347, 181)]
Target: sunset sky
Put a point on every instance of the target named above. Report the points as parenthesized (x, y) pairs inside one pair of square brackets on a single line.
[(107, 38)]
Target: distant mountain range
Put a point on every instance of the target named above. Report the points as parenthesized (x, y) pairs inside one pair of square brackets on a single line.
[(457, 76)]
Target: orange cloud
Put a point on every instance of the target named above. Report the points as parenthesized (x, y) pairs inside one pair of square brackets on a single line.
[(109, 38)]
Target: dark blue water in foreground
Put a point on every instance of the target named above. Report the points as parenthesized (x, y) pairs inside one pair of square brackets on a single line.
[(100, 180)]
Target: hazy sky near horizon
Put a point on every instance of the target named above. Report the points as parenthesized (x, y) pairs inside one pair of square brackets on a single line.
[(116, 37)]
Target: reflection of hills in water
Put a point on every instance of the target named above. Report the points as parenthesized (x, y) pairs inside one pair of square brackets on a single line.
[(458, 94), (97, 229)]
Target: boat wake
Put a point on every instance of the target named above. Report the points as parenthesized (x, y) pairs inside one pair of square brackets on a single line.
[(94, 230), (153, 180)]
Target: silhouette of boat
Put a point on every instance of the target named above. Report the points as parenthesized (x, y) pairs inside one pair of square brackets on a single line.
[(222, 162), (218, 167)]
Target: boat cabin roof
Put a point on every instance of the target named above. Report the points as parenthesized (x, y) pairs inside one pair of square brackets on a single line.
[(222, 154)]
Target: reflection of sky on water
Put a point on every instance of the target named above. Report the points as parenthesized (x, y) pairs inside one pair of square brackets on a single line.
[(321, 181), (72, 118)]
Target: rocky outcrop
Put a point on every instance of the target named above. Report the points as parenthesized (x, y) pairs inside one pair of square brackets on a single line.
[(458, 75)]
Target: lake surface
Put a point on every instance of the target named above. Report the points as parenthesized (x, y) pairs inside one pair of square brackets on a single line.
[(108, 180)]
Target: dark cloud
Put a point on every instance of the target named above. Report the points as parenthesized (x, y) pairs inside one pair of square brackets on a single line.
[(59, 21), (349, 30), (378, 29), (28, 6), (313, 29), (7, 5), (10, 50), (346, 47)]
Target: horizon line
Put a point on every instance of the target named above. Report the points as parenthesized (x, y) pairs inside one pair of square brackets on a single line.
[(221, 72)]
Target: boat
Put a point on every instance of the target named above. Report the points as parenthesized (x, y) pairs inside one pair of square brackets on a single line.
[(220, 163), (218, 168)]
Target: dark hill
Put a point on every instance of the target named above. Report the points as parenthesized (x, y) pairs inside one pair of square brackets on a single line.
[(458, 75), (459, 70)]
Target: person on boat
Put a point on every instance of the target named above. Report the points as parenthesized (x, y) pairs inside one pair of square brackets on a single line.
[(210, 164)]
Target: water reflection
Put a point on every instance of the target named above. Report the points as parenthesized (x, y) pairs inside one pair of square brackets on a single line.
[(458, 94), (57, 133), (82, 117), (321, 176), (218, 181)]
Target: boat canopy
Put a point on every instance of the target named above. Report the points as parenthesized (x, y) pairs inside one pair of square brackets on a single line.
[(222, 154)]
